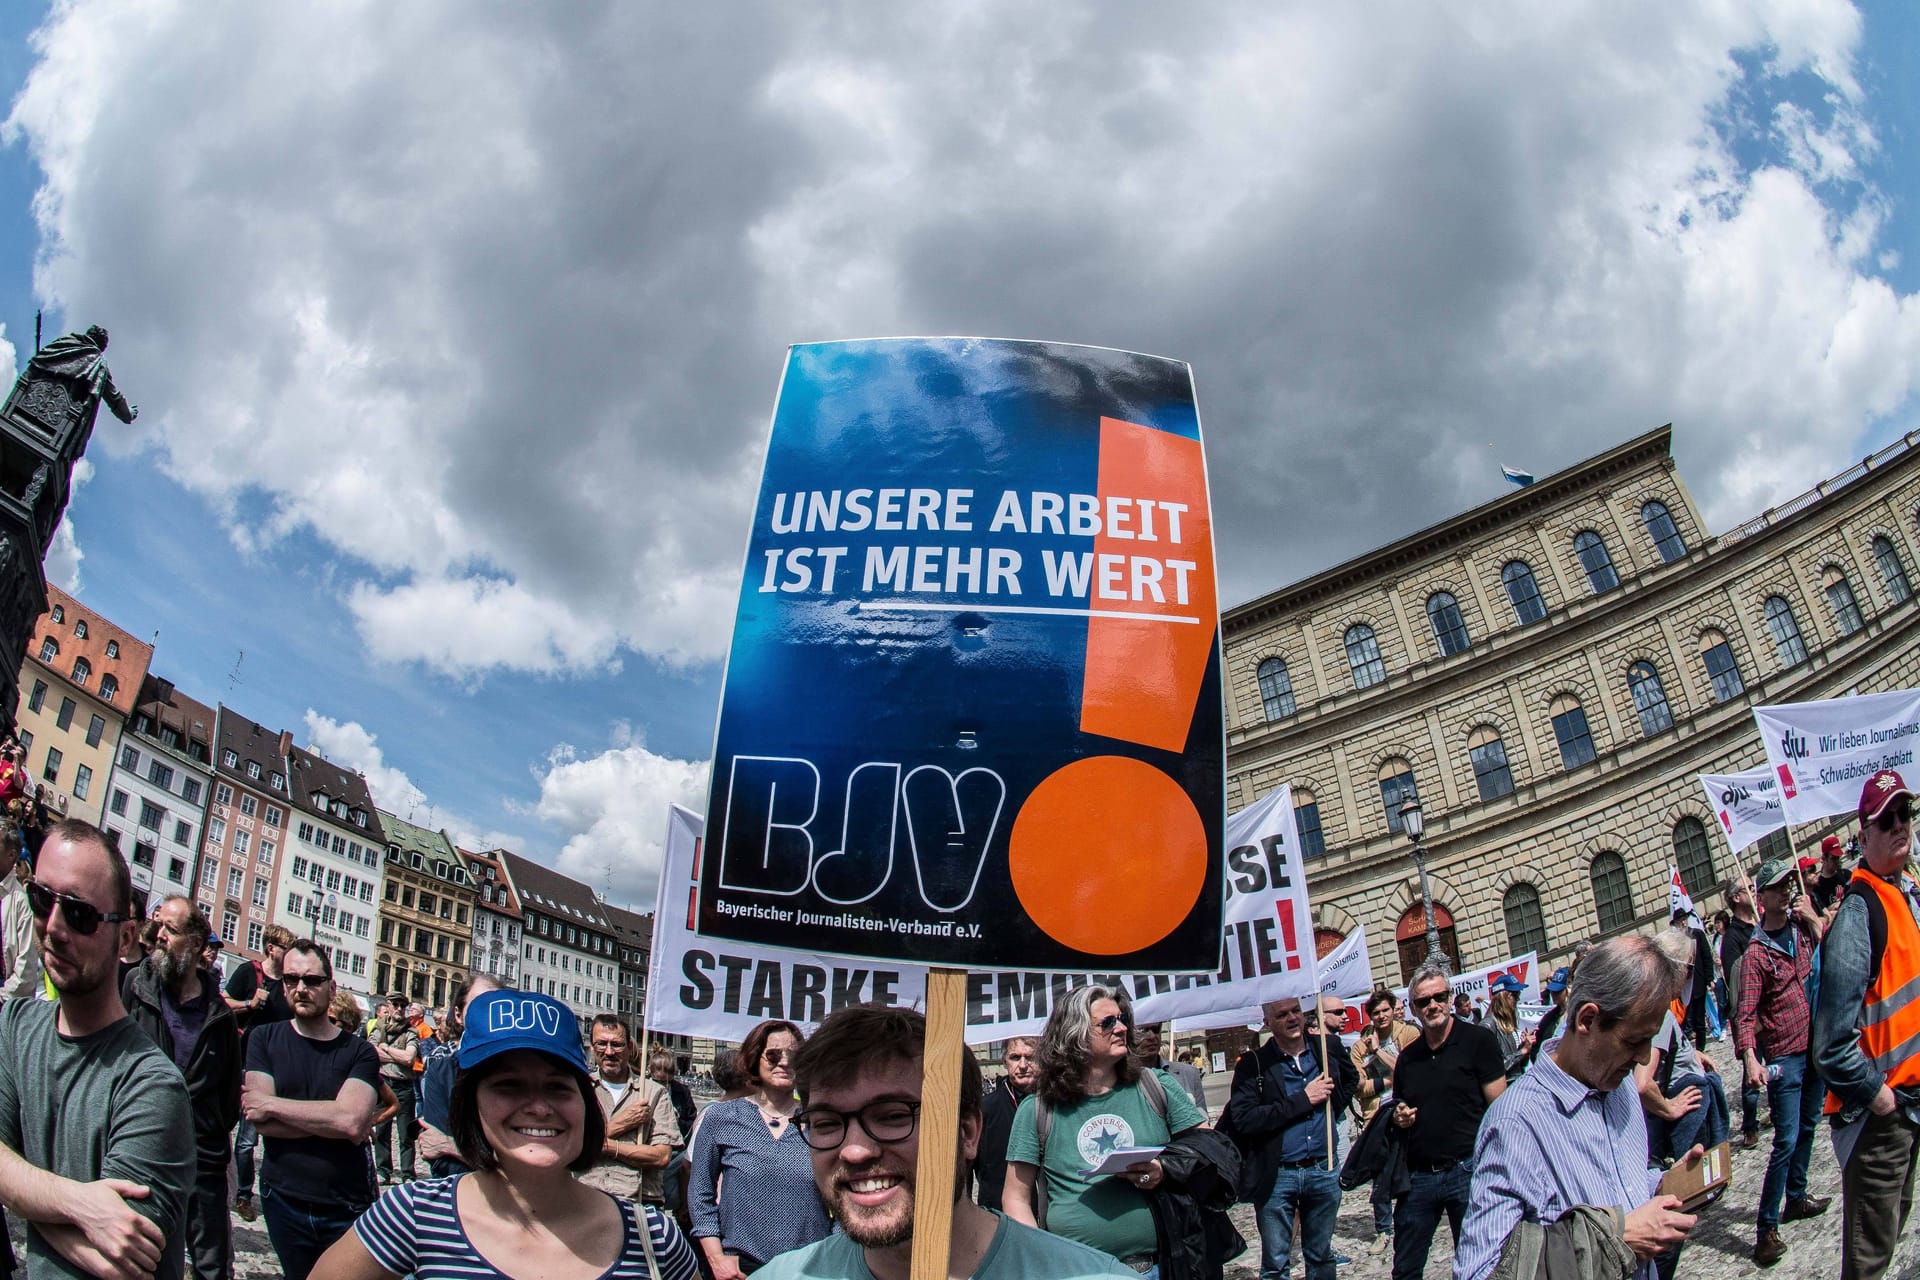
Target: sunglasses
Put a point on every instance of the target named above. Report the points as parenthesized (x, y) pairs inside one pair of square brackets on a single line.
[(1421, 1002), (775, 1056), (311, 981), (81, 916), (1898, 815), (1109, 1023)]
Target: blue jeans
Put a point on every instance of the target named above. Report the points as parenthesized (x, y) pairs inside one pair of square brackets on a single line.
[(301, 1232), (1416, 1215), (1749, 1106), (1795, 1100), (1315, 1195), (1706, 1124)]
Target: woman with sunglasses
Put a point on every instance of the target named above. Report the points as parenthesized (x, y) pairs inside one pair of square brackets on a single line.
[(750, 1189), (1091, 1085), (523, 1116)]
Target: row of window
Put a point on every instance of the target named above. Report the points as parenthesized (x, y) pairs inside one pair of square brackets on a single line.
[(171, 737), (447, 908), (159, 772), (1450, 630), (441, 867), (83, 670), (428, 943), (230, 759), (1612, 893), (592, 969), (561, 931), (351, 850)]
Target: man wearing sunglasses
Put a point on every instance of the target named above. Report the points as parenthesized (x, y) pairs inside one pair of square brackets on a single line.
[(96, 1136), (859, 1082), (1867, 1014)]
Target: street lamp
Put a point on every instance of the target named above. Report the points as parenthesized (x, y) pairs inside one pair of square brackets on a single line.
[(1416, 827)]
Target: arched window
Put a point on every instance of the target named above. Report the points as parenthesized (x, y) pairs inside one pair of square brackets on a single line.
[(1666, 538), (1785, 632), (113, 648), (1396, 788), (82, 672), (1722, 670), (1276, 689), (1306, 821), (1612, 899), (49, 649), (1649, 698), (109, 685), (1570, 728), (1363, 655), (1846, 610), (1489, 756), (1592, 550), (80, 629), (59, 614), (1693, 856), (1449, 628), (1524, 592), (1892, 570), (1526, 925)]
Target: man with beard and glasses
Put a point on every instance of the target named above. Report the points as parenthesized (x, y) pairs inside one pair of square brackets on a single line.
[(1003, 1099), (178, 1004), (96, 1137), (642, 1128), (311, 1091), (859, 1082)]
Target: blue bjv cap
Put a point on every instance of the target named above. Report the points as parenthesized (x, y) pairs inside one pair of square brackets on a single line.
[(501, 1021)]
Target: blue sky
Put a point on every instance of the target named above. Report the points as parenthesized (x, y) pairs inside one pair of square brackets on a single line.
[(528, 616)]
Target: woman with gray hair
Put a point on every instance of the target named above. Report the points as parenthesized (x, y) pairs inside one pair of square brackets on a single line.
[(1680, 1086), (1091, 1099)]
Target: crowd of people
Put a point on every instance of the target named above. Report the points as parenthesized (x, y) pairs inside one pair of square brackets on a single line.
[(144, 1106)]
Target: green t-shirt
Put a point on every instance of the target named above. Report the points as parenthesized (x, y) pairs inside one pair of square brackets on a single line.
[(1017, 1253), (108, 1105), (1109, 1213)]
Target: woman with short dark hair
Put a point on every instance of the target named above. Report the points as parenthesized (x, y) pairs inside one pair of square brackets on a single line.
[(750, 1188), (523, 1115)]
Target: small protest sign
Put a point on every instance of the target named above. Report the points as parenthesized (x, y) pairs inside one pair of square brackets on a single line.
[(1747, 804)]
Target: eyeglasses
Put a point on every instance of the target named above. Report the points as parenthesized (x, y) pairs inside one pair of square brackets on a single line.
[(1896, 816), (884, 1120), (775, 1056), (1421, 1002), (311, 981), (82, 916), (1110, 1022)]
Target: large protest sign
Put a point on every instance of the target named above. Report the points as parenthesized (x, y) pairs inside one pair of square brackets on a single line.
[(1822, 753), (714, 987), (1747, 804), (972, 710), (1346, 971)]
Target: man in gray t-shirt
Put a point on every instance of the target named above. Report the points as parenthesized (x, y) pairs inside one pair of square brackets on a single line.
[(96, 1138)]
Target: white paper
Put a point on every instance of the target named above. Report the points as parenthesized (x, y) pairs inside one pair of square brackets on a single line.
[(1120, 1158)]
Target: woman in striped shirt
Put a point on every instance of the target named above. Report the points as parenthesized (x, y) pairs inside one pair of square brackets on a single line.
[(525, 1122)]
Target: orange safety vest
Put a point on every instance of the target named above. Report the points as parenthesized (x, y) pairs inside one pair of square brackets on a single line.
[(1890, 1013)]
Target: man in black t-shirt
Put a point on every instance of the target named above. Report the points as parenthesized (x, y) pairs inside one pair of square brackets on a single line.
[(254, 994), (311, 1092), (1442, 1085)]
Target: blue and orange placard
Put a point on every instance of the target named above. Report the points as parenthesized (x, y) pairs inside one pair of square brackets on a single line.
[(972, 711)]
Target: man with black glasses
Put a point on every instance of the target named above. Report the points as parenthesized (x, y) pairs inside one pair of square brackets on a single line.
[(96, 1138), (311, 1091), (859, 1083), (1863, 1027), (1442, 1085)]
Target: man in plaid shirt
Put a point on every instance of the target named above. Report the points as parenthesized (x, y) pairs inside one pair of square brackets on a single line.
[(1771, 1035)]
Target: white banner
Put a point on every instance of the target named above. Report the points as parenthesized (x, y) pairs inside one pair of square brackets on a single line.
[(1824, 752), (709, 987), (1747, 804), (1346, 971), (1679, 901)]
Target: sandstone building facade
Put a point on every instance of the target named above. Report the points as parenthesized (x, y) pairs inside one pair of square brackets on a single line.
[(1549, 672)]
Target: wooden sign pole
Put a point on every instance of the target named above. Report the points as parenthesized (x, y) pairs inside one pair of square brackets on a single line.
[(939, 1129)]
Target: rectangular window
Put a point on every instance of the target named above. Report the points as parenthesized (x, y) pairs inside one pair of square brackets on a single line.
[(96, 726), (26, 739), (266, 853), (386, 933), (82, 781), (405, 942), (406, 898), (38, 698), (426, 902), (254, 937), (333, 880), (216, 831), (274, 816), (228, 923), (177, 870), (230, 759), (366, 891), (299, 867), (65, 718), (209, 873), (118, 804), (259, 893), (1490, 769), (423, 942), (360, 927), (446, 909), (1576, 743), (295, 907), (1394, 792), (143, 854), (160, 775), (326, 915), (248, 806), (1724, 672), (236, 882), (190, 790), (52, 770), (393, 891), (460, 914), (306, 832), (339, 845), (242, 842), (222, 794)]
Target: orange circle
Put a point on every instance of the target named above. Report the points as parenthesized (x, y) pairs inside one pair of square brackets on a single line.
[(1108, 855)]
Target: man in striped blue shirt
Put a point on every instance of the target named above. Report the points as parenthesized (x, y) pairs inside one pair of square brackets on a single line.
[(1571, 1131)]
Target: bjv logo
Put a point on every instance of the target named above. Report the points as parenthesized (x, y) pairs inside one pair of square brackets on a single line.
[(523, 1015), (1793, 746)]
